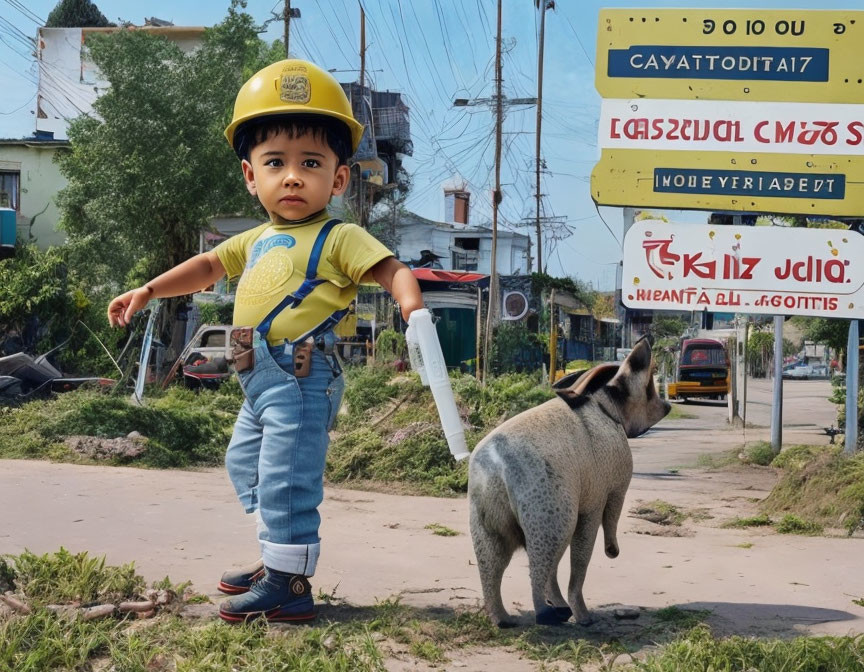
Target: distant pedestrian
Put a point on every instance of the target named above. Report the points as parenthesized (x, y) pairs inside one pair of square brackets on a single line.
[(293, 131)]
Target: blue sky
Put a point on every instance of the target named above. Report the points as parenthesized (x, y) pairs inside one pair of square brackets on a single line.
[(434, 51)]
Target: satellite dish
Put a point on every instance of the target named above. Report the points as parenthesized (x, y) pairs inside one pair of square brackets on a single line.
[(515, 306)]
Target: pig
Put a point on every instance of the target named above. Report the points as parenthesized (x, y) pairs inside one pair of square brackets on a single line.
[(548, 477)]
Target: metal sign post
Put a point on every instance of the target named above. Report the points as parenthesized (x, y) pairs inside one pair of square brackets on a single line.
[(852, 363), (777, 397)]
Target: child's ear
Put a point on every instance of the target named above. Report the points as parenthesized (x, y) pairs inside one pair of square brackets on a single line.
[(249, 177), (340, 180)]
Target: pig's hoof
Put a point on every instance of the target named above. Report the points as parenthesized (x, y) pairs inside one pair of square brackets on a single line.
[(612, 551), (586, 620), (563, 613), (506, 624), (550, 616)]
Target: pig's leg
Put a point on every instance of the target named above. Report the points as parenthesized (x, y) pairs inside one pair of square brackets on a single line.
[(493, 553), (580, 555), (545, 542), (611, 514)]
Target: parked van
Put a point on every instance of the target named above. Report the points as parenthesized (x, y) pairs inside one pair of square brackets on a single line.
[(702, 370)]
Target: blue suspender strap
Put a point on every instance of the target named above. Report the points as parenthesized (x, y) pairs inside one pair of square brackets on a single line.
[(309, 283)]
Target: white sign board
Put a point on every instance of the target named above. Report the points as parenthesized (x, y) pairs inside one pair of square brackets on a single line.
[(744, 269), (732, 126)]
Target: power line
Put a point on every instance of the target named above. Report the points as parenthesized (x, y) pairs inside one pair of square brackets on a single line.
[(18, 109), (26, 12)]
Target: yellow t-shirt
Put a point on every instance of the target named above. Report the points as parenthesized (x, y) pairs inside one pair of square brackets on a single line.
[(272, 259)]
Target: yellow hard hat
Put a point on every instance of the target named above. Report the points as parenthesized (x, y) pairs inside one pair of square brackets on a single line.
[(293, 87)]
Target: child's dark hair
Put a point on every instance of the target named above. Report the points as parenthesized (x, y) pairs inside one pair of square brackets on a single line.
[(335, 133)]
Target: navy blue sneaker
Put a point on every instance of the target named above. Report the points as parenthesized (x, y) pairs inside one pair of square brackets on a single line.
[(277, 596), (239, 581)]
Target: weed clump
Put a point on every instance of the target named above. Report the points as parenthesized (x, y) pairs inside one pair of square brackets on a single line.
[(792, 524), (760, 453)]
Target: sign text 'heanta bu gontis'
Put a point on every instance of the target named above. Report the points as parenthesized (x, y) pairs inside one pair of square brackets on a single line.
[(744, 269)]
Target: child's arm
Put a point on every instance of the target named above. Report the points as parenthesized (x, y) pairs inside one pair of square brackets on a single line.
[(192, 275), (399, 281)]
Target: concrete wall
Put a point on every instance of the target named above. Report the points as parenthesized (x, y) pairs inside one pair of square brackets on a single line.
[(39, 183)]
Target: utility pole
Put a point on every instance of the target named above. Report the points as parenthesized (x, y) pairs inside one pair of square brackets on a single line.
[(287, 17), (496, 199), (543, 6), (361, 200)]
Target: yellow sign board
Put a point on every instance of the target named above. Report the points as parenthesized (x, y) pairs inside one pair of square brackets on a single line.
[(721, 54), (802, 184)]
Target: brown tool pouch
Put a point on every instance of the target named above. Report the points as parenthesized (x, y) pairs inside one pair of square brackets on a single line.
[(242, 348), (303, 358)]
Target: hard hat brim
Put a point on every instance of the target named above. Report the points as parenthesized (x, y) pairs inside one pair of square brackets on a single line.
[(355, 127)]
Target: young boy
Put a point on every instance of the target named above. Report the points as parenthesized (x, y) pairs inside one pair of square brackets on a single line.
[(293, 131)]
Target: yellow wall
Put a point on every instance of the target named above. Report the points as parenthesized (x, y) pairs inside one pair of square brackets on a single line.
[(39, 183)]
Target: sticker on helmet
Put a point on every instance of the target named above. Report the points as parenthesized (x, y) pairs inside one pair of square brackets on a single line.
[(295, 89)]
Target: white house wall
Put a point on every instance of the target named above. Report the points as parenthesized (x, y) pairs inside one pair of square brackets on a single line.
[(63, 92)]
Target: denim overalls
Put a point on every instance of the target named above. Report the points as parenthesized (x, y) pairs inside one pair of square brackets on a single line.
[(276, 456)]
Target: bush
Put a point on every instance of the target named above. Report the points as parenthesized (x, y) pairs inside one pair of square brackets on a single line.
[(791, 524), (390, 346), (760, 453)]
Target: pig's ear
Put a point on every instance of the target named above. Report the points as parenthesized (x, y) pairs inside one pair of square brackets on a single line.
[(568, 380), (587, 384), (640, 359)]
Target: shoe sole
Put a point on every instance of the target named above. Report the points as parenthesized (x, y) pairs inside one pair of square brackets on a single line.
[(228, 589), (272, 616)]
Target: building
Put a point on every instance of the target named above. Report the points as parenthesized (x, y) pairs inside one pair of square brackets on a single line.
[(456, 245), (69, 82), (29, 182)]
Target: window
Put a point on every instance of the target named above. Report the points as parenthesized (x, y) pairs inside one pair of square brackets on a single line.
[(213, 339), (9, 189)]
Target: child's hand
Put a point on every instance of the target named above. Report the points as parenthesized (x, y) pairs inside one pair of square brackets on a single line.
[(122, 308)]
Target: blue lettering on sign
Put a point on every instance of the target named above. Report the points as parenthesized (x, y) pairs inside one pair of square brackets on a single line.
[(798, 64), (749, 183)]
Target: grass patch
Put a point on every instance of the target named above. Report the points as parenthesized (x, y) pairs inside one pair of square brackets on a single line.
[(699, 651), (821, 485), (441, 530), (753, 521), (792, 524), (760, 453), (393, 434), (859, 602), (660, 512), (744, 544), (64, 577), (718, 460), (183, 427), (676, 413), (355, 639)]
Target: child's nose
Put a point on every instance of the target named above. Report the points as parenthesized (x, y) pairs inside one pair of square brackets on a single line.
[(292, 179)]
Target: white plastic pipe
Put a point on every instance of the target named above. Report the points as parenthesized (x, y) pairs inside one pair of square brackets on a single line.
[(426, 357)]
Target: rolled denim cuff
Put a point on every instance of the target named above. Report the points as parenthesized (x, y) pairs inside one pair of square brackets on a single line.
[(292, 558), (260, 524)]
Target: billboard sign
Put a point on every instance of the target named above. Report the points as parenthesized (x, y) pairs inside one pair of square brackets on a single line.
[(719, 54), (743, 269)]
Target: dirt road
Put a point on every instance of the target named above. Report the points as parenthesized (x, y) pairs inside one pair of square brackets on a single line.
[(188, 525)]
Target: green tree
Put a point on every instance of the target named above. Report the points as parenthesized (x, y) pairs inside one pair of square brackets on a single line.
[(150, 168), (76, 14)]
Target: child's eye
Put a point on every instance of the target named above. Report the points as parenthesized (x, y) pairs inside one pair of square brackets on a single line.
[(273, 162), (311, 163)]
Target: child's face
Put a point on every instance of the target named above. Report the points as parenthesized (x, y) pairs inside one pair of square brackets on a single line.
[(294, 177)]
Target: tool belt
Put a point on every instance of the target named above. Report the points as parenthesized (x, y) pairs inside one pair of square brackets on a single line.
[(242, 339)]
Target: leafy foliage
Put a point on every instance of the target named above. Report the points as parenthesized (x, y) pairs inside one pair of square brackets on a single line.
[(540, 282), (149, 169), (76, 14)]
